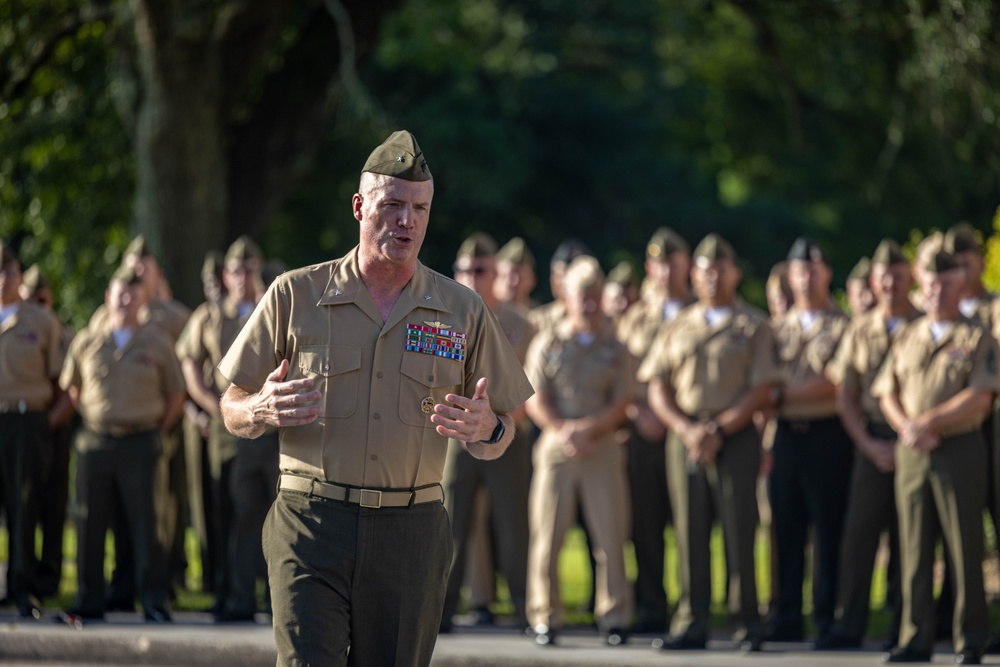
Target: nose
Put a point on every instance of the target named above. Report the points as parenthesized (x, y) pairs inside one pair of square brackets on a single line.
[(406, 217)]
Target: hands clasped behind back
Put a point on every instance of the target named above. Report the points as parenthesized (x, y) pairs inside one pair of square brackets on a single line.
[(291, 403)]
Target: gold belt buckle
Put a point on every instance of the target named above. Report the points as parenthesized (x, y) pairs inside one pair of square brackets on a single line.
[(370, 498)]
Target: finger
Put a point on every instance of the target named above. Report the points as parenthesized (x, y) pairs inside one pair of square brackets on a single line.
[(463, 402), (481, 389), (293, 386), (279, 373)]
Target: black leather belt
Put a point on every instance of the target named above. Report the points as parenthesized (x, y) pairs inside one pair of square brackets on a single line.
[(371, 498)]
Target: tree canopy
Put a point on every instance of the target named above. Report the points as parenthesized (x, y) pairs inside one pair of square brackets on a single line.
[(759, 119)]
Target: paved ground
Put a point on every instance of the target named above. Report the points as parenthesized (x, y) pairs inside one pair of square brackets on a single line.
[(193, 641)]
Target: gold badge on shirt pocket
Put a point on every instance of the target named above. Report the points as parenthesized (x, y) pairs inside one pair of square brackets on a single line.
[(427, 405)]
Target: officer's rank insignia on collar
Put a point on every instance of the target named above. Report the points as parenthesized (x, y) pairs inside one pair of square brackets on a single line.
[(435, 338)]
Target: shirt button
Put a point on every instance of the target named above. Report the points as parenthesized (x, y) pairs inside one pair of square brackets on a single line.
[(326, 367), (379, 375), (430, 378), (374, 457), (377, 416)]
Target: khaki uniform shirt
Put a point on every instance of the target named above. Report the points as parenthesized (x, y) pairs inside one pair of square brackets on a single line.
[(860, 355), (122, 387), (516, 326), (579, 380), (638, 328), (209, 334), (32, 348), (379, 380), (171, 316), (925, 374), (547, 315), (805, 355), (711, 368)]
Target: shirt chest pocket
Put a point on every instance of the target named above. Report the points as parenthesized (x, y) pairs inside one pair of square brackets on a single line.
[(335, 370), (424, 381)]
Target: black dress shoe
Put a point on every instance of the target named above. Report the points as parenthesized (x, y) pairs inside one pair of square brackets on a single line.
[(750, 644), (835, 642), (157, 615), (683, 643), (28, 606), (906, 654), (969, 657), (616, 637), (545, 636)]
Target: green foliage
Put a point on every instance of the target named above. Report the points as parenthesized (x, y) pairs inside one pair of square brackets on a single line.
[(847, 121), (66, 168)]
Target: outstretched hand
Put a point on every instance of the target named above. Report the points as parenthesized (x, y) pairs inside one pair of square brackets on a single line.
[(471, 420)]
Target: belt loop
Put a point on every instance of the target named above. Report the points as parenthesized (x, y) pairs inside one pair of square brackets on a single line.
[(347, 496), (413, 498), (312, 487)]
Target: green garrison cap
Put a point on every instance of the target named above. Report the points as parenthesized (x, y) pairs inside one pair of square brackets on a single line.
[(126, 274), (941, 261), (583, 273), (623, 274), (243, 249), (399, 156), (888, 253), (713, 248), (479, 244), (33, 278), (569, 250), (861, 271), (212, 266), (516, 251), (962, 237), (139, 247), (664, 243), (806, 250), (7, 254)]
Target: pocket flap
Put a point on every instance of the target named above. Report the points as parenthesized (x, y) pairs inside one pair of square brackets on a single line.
[(432, 371), (329, 360)]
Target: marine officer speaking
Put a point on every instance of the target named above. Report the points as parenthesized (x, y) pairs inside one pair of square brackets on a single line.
[(368, 364)]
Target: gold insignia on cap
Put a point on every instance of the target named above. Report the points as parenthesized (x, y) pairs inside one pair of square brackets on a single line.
[(427, 405)]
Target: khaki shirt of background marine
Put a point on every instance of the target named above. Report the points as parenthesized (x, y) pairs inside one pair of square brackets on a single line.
[(170, 316), (925, 374), (579, 380), (209, 334), (805, 355), (862, 351), (374, 429), (516, 326), (32, 348), (547, 315), (122, 387), (710, 368)]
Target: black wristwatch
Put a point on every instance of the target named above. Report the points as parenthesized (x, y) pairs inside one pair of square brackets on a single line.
[(497, 433)]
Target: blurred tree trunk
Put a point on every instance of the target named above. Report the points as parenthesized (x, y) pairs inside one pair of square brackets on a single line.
[(232, 101)]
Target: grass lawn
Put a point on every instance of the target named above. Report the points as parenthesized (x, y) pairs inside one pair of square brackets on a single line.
[(574, 570)]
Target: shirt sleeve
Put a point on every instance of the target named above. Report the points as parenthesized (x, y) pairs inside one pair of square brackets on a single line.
[(984, 367), (886, 381), (765, 368), (56, 344), (260, 346), (534, 363), (190, 344), (841, 369), (70, 375), (493, 358)]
